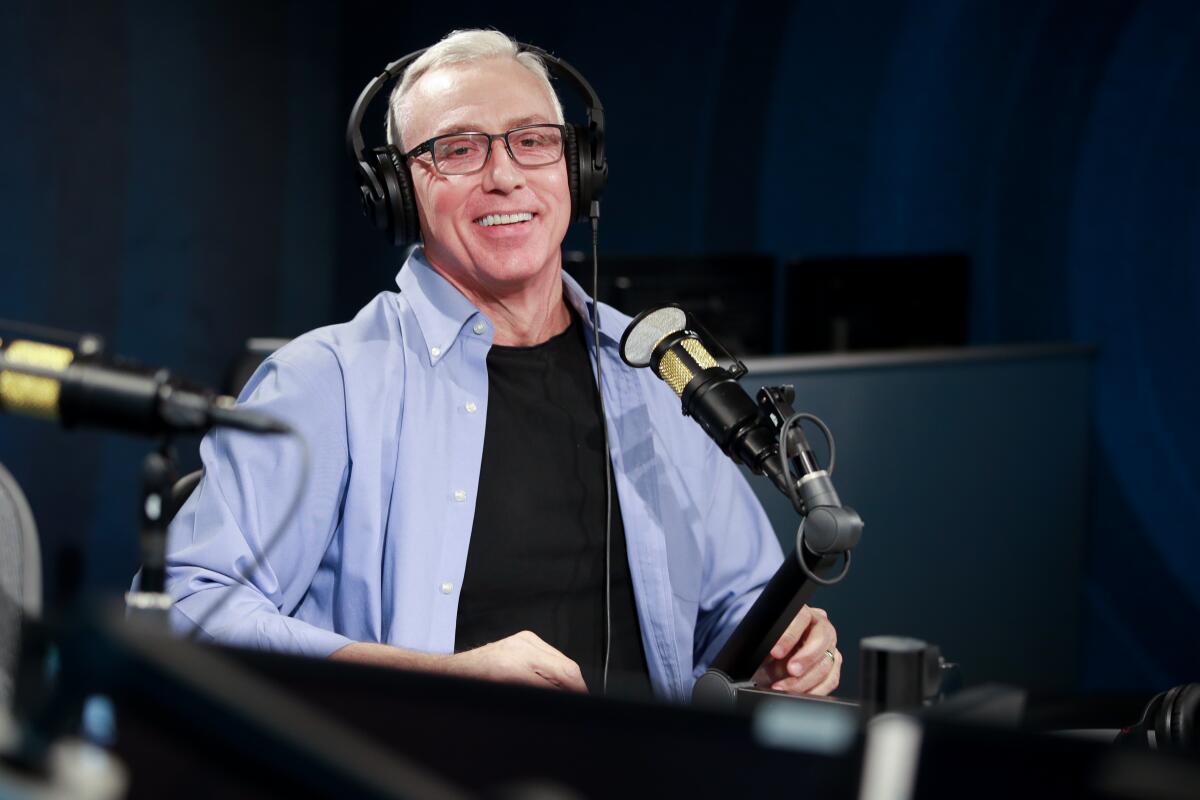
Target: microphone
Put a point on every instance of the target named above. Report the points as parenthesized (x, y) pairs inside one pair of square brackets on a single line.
[(661, 339), (77, 389)]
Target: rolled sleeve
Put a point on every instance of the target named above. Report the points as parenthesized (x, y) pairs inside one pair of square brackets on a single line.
[(230, 567)]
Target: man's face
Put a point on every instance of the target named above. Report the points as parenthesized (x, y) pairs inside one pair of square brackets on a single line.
[(491, 96)]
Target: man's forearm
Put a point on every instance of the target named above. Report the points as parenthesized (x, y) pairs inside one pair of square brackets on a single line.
[(385, 655), (520, 658)]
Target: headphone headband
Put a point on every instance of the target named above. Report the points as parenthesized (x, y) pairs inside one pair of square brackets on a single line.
[(354, 138)]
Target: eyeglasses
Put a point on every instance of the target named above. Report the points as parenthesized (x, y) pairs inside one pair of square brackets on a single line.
[(464, 153)]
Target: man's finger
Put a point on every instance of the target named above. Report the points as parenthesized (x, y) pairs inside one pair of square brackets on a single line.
[(569, 679), (831, 681), (544, 649), (571, 674), (559, 675), (809, 679), (544, 664), (821, 636), (821, 679), (795, 629), (560, 671), (774, 670), (545, 677)]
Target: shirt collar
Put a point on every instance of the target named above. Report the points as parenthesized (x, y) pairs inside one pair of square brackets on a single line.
[(442, 310), (612, 322)]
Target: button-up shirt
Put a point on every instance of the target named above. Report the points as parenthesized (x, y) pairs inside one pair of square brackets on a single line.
[(392, 406)]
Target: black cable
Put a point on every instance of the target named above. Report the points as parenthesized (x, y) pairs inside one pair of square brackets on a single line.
[(785, 459), (800, 416), (270, 542), (785, 463), (595, 215), (814, 577)]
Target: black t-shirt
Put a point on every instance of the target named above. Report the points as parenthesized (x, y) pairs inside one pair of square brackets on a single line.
[(536, 560)]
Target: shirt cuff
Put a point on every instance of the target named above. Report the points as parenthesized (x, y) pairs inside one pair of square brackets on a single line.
[(260, 629)]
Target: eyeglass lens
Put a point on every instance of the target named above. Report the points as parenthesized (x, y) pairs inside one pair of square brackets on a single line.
[(530, 147)]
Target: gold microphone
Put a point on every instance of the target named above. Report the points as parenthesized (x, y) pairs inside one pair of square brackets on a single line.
[(34, 395), (73, 387), (665, 340), (661, 339)]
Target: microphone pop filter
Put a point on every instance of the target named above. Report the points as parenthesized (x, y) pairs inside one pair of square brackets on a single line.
[(647, 330)]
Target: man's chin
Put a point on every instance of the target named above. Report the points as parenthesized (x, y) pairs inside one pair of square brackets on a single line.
[(513, 276), (515, 266)]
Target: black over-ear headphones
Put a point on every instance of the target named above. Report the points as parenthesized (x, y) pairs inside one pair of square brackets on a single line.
[(385, 183), (1171, 717)]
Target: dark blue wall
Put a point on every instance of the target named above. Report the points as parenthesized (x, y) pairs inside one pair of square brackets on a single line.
[(172, 178), (930, 564)]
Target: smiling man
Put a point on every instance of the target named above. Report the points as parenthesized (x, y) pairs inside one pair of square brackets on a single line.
[(455, 519), (494, 233)]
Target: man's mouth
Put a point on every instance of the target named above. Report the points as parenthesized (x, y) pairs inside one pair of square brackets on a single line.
[(504, 219)]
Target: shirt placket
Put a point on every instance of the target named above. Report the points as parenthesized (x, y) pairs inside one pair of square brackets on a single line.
[(469, 419)]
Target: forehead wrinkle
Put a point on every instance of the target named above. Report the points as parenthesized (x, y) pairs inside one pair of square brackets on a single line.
[(474, 127), (439, 87)]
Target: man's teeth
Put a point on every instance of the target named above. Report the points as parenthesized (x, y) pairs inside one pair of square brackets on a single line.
[(504, 219)]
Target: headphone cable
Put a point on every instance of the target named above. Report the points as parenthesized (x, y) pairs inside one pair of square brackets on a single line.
[(608, 489)]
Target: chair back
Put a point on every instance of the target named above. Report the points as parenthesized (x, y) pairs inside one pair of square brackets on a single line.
[(20, 577), (182, 490)]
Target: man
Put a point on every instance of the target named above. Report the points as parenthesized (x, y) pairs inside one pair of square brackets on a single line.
[(454, 520)]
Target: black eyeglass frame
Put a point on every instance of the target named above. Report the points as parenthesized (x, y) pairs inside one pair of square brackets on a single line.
[(427, 147)]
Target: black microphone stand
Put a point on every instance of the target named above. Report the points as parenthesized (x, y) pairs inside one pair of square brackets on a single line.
[(149, 603), (828, 531)]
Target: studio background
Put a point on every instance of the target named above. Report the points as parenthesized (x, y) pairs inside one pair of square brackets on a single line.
[(173, 177)]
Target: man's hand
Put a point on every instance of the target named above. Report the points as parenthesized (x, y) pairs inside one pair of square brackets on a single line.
[(520, 658), (805, 660)]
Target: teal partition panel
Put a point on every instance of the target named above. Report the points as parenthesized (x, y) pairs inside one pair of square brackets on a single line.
[(969, 468)]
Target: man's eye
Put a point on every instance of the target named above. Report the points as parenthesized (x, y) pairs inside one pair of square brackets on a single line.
[(463, 148)]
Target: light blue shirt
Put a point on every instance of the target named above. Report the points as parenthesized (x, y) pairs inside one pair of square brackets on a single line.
[(393, 406)]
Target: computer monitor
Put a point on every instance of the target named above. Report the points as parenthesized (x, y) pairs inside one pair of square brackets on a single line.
[(730, 294), (875, 303)]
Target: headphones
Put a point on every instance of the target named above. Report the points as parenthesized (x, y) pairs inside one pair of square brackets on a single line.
[(1171, 717), (385, 184)]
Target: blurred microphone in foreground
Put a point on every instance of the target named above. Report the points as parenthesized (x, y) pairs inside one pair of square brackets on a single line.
[(76, 387)]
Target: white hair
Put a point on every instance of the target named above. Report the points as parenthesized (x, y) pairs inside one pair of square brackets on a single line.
[(460, 47)]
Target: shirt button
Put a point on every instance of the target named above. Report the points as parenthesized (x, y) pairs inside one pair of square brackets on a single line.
[(479, 328), (459, 495), (435, 351), (447, 587), (470, 407)]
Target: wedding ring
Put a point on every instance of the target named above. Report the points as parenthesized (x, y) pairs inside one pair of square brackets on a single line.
[(832, 657)]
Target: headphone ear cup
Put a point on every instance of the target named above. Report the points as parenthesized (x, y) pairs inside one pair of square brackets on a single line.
[(1181, 722), (397, 214), (375, 202), (588, 181), (1163, 738), (578, 211), (408, 221)]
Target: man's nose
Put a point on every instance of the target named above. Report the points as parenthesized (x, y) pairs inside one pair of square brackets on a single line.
[(501, 173)]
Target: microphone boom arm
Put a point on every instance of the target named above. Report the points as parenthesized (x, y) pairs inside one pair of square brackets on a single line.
[(765, 437), (827, 530)]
